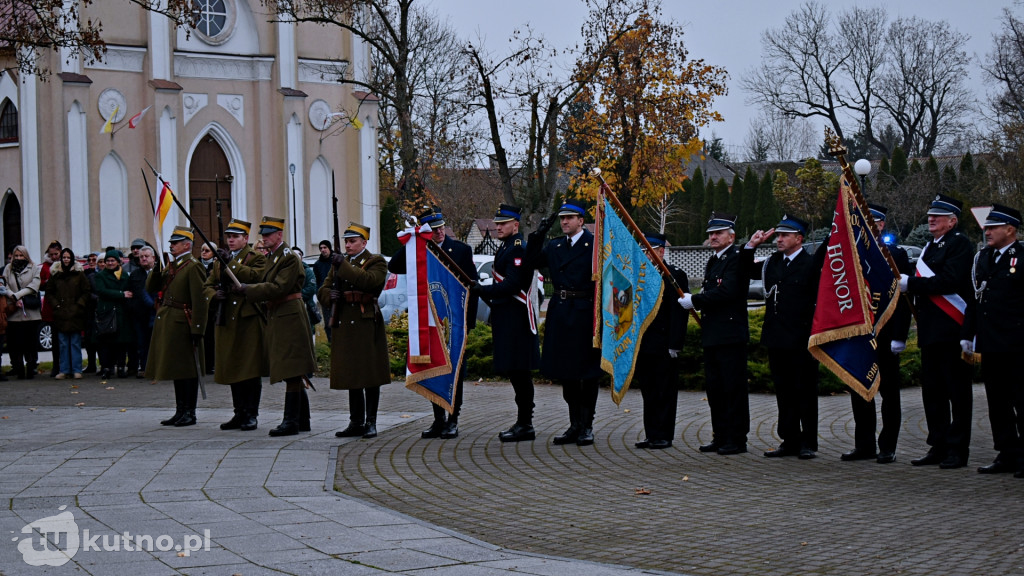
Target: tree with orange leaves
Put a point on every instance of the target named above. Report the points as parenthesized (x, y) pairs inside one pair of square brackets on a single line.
[(640, 117)]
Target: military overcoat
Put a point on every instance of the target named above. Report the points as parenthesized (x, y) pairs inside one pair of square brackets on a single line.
[(239, 337), (287, 344), (181, 314), (359, 347)]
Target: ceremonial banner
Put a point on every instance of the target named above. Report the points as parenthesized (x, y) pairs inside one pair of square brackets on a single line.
[(446, 301), (629, 288), (164, 202), (857, 294)]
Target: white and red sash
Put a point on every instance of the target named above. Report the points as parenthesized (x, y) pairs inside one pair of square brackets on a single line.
[(951, 304), (527, 297), (421, 321)]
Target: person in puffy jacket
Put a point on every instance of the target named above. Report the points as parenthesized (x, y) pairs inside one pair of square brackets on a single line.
[(67, 296), (24, 315)]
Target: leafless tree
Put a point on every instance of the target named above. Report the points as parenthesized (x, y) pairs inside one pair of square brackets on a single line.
[(775, 137), (1005, 140)]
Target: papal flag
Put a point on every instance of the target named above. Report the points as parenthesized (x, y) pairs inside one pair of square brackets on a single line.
[(629, 288), (108, 126), (438, 303), (857, 293)]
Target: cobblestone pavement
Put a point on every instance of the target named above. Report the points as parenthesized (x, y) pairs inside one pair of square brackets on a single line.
[(474, 506)]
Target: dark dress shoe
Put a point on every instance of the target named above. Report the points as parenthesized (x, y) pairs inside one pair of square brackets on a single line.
[(780, 452), (434, 431), (568, 437), (286, 428), (234, 424), (997, 467), (929, 459), (371, 430), (807, 454), (857, 454), (105, 374), (953, 461), (886, 457), (730, 449), (660, 444), (170, 421), (352, 431), (187, 419), (250, 423), (451, 430), (712, 447), (586, 437), (643, 444), (518, 433)]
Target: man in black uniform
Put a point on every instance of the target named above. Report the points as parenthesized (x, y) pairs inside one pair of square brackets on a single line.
[(892, 340), (724, 335), (445, 426), (993, 329), (942, 290), (569, 355), (790, 278), (513, 321), (657, 367)]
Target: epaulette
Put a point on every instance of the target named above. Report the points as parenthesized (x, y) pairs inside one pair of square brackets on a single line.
[(518, 242), (286, 250)]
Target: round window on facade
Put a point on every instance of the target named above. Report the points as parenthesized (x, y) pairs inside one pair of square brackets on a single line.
[(214, 20)]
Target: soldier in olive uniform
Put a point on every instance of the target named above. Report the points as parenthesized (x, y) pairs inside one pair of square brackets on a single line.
[(993, 328), (179, 325), (724, 334), (239, 331), (359, 347), (286, 342)]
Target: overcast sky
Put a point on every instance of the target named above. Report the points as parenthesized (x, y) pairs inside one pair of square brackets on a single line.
[(725, 33)]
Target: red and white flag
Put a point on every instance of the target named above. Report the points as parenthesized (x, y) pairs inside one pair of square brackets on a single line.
[(426, 349), (134, 120)]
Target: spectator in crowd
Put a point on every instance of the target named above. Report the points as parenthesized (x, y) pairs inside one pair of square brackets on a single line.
[(133, 258), (95, 264), (52, 256), (25, 316), (320, 269), (143, 305), (68, 292), (113, 293), (92, 263)]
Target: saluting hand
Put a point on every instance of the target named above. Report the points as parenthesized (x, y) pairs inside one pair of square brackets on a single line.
[(757, 238)]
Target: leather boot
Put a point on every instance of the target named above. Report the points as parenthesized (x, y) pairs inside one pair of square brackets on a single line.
[(451, 428), (238, 401), (179, 404), (252, 405), (586, 437), (191, 390), (372, 401), (437, 427), (572, 434), (303, 411), (289, 426)]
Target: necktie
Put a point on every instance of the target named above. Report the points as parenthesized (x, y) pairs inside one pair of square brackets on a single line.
[(787, 261), (994, 257)]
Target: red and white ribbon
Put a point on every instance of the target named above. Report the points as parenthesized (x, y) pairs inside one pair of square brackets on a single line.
[(952, 304)]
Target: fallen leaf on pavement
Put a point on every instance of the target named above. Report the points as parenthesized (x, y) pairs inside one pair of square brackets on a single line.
[(626, 410), (110, 388), (405, 416), (80, 404), (686, 478), (641, 491), (74, 391), (124, 409)]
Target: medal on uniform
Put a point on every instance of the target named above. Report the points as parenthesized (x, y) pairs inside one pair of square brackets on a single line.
[(1013, 265), (517, 261)]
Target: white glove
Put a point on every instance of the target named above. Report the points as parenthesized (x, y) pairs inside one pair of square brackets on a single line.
[(897, 346), (686, 301), (673, 353), (903, 282), (967, 347)]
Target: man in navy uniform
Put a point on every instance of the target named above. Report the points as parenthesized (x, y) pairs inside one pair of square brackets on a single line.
[(444, 426), (790, 278), (892, 340), (657, 365), (942, 290), (993, 328), (724, 335), (513, 319), (569, 356)]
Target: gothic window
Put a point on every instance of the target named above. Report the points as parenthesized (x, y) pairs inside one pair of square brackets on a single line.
[(8, 122), (214, 19)]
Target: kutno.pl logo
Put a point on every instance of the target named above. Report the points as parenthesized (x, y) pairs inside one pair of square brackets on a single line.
[(59, 540)]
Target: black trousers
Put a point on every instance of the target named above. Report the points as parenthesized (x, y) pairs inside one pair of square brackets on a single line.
[(795, 374), (581, 398), (1005, 394), (522, 384), (864, 418), (658, 377), (947, 396), (725, 370), (22, 340), (440, 414)]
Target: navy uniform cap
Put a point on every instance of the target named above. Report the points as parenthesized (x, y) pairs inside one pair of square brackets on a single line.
[(572, 208), (721, 221), (507, 213), (434, 218), (655, 239), (792, 224), (945, 206), (1001, 215), (878, 211)]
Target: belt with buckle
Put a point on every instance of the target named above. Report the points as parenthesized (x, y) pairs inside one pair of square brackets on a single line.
[(567, 294)]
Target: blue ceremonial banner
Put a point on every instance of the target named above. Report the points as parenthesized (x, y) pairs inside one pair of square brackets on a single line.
[(629, 292), (857, 294), (448, 301)]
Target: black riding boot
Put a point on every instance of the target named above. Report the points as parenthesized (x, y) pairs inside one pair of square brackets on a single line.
[(190, 387), (179, 406), (372, 401), (252, 394), (304, 411), (238, 401)]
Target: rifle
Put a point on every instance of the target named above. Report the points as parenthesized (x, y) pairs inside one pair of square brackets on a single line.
[(334, 321), (218, 314)]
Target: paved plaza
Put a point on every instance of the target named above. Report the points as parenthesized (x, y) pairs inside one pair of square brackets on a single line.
[(398, 504)]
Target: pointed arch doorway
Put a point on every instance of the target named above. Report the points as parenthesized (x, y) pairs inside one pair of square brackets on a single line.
[(11, 221), (209, 185)]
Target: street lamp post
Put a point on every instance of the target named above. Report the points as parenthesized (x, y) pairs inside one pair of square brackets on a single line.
[(862, 167), (295, 231)]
